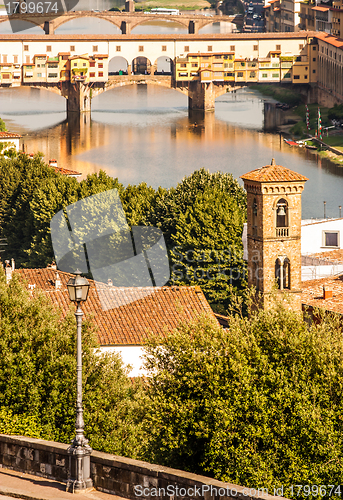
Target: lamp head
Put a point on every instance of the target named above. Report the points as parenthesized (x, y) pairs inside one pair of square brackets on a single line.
[(78, 288)]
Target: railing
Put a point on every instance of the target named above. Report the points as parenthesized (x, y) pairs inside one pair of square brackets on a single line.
[(282, 231)]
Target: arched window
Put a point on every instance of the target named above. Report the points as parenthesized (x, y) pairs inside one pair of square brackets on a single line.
[(283, 273), (282, 213), (278, 273), (286, 274)]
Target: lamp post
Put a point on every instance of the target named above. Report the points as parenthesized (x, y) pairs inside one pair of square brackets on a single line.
[(79, 467)]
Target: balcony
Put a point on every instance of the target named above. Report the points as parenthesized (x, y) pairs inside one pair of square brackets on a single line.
[(282, 232)]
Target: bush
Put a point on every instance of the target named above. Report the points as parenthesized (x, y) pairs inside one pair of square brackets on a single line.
[(259, 404)]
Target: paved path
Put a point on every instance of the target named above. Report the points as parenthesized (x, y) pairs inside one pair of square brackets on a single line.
[(27, 487)]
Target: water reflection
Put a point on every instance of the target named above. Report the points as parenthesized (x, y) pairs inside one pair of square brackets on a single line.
[(145, 133)]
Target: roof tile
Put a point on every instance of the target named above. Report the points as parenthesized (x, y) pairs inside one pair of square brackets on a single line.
[(273, 173), (161, 310)]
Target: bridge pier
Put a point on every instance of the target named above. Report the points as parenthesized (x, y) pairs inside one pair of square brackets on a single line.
[(201, 96), (78, 97), (49, 28), (125, 28), (193, 27)]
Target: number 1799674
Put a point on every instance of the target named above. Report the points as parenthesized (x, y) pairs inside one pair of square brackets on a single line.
[(32, 7)]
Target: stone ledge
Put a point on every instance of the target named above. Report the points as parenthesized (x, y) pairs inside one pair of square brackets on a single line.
[(119, 475)]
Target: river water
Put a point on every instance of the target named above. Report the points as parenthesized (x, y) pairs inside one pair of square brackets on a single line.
[(144, 133)]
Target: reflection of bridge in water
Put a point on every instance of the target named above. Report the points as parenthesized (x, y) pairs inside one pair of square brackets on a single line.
[(125, 21)]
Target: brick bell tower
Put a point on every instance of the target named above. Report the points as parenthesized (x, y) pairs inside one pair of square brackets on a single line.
[(274, 231)]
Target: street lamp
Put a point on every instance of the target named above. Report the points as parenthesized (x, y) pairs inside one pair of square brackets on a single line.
[(79, 468)]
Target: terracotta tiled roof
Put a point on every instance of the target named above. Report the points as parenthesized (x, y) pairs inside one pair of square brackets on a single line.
[(130, 323), (312, 294), (273, 173), (9, 135), (65, 171), (332, 255), (119, 37), (331, 39), (321, 9)]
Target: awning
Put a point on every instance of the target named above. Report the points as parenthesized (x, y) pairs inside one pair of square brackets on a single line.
[(29, 73), (16, 73)]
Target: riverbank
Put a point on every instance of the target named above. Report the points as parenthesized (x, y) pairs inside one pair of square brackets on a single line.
[(295, 122), (173, 4)]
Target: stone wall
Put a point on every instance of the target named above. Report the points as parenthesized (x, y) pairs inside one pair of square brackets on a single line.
[(121, 476)]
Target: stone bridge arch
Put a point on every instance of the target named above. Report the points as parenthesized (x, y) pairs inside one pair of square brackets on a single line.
[(63, 19), (117, 64)]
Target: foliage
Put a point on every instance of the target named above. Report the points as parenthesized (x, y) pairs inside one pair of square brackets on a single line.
[(259, 404), (202, 217), (18, 425), (298, 129), (2, 126), (281, 94), (336, 113), (38, 376), (31, 193), (202, 222)]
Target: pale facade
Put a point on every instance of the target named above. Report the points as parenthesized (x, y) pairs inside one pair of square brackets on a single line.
[(282, 16)]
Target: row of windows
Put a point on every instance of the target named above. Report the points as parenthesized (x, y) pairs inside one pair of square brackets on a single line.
[(72, 48)]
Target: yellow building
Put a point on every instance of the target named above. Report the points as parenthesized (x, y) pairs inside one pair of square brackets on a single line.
[(217, 66), (28, 72), (53, 72), (6, 73), (39, 68), (269, 67), (304, 69), (79, 68), (64, 66)]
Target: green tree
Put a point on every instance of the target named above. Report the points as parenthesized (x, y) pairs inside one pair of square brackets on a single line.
[(2, 126), (202, 222), (259, 404), (38, 376)]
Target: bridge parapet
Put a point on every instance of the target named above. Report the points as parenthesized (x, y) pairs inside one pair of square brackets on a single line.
[(119, 475)]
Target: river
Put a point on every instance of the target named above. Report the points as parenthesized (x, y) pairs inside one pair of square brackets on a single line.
[(144, 133)]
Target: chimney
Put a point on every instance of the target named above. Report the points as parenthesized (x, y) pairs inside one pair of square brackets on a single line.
[(109, 282), (12, 264), (327, 293), (31, 288), (52, 163), (8, 271), (58, 282)]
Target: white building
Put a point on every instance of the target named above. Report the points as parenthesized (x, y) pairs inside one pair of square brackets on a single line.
[(10, 139)]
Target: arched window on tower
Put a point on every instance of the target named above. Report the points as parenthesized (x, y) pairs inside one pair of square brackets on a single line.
[(283, 273), (282, 218), (286, 274), (254, 217), (278, 273)]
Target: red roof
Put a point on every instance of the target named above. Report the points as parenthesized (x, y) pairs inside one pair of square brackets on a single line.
[(65, 171), (312, 293), (321, 9), (273, 173), (161, 310), (9, 135), (331, 39)]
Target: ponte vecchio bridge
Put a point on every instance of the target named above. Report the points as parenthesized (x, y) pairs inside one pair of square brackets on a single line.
[(213, 64)]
